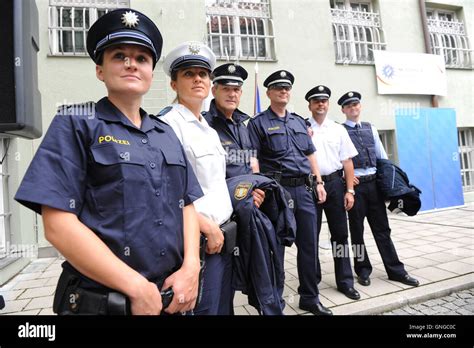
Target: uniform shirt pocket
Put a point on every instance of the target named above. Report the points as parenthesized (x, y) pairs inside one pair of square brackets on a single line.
[(301, 139), (277, 140), (174, 174), (117, 177)]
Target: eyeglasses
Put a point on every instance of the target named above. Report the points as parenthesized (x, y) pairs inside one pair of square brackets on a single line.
[(281, 88)]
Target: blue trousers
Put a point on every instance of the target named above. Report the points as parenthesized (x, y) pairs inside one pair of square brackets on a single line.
[(217, 295), (307, 241)]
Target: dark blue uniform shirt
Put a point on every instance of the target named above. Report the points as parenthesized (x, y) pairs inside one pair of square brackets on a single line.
[(282, 143), (234, 138), (128, 185)]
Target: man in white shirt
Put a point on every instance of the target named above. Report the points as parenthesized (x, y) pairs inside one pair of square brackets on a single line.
[(334, 152)]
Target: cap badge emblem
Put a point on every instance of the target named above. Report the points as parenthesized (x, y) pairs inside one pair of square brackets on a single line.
[(320, 88), (130, 19), (231, 69), (350, 94), (283, 74), (194, 48)]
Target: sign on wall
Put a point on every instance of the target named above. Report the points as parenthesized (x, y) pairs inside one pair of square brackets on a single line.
[(410, 73)]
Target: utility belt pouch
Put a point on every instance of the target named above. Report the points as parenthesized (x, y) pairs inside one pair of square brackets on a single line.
[(309, 182), (66, 283), (229, 230), (118, 304)]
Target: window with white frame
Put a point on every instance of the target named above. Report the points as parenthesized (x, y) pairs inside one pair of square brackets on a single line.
[(240, 30), (449, 39), (357, 31), (466, 153), (70, 20)]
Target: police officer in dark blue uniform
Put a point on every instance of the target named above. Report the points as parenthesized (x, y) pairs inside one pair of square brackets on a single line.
[(286, 152), (369, 201), (114, 186), (228, 121)]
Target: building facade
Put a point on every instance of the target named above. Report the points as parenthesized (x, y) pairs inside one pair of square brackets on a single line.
[(327, 42)]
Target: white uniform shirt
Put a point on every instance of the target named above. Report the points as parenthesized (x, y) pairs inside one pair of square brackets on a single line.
[(333, 145), (379, 151), (207, 157)]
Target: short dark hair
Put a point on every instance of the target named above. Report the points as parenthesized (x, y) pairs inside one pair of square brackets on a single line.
[(100, 58), (174, 75)]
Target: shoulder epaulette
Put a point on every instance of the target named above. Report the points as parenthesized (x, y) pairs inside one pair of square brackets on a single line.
[(164, 111)]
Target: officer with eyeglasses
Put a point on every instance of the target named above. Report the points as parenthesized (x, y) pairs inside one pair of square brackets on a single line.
[(286, 152)]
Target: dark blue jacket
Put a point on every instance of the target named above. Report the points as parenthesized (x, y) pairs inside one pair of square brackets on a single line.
[(234, 138), (262, 235), (395, 186)]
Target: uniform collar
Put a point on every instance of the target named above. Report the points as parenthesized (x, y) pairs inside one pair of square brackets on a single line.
[(350, 123), (326, 123), (185, 113), (274, 116), (107, 111), (237, 117)]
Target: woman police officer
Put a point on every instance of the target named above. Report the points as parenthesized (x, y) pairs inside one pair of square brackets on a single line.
[(189, 65), (114, 186)]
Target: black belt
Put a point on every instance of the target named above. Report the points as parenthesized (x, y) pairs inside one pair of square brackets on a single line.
[(332, 176), (366, 178), (293, 182)]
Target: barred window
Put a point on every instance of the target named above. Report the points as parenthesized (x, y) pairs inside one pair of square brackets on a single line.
[(240, 30), (466, 153), (449, 39), (70, 20), (357, 31)]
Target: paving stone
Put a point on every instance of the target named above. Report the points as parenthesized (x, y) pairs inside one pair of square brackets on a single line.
[(47, 311), (464, 311), (11, 295), (40, 302), (450, 306), (456, 267), (25, 284), (14, 306), (433, 273), (30, 312), (38, 292), (465, 295)]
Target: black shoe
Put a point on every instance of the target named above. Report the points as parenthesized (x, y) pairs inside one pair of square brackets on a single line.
[(365, 281), (315, 308), (406, 279), (352, 293)]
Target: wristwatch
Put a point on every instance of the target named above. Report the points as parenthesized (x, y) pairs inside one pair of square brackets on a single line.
[(351, 191)]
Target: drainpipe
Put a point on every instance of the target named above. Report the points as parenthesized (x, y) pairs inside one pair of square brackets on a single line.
[(428, 48)]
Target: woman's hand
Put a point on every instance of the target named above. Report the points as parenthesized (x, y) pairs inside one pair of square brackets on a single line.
[(185, 284), (215, 238), (146, 298)]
